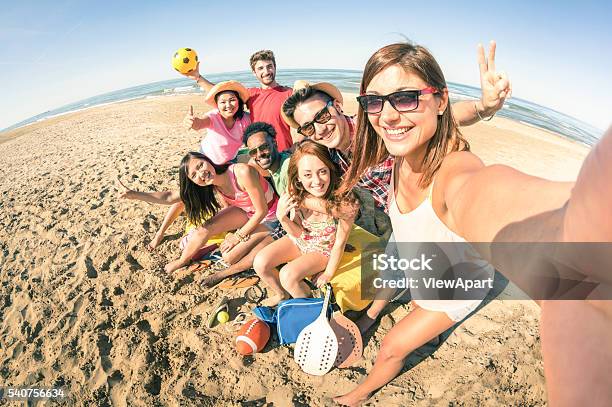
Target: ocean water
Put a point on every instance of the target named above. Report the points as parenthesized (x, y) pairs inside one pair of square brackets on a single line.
[(347, 81)]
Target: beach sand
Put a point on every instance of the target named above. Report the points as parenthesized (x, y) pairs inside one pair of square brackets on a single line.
[(85, 306)]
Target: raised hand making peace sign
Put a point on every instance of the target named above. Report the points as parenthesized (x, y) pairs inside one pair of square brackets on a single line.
[(496, 86)]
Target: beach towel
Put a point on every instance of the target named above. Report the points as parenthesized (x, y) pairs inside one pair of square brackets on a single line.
[(347, 280)]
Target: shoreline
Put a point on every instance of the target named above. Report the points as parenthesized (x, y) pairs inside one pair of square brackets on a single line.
[(6, 135)]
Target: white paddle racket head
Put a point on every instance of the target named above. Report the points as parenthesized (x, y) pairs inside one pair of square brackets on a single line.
[(316, 347)]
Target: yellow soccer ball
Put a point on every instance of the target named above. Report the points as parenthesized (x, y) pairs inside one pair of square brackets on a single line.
[(184, 60)]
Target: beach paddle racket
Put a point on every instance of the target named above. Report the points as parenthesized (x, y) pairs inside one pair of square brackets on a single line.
[(350, 343), (316, 347)]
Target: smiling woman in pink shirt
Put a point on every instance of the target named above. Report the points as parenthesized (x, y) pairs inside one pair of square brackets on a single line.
[(225, 124)]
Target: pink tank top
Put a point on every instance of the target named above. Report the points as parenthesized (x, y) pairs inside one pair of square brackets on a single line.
[(221, 144), (243, 201)]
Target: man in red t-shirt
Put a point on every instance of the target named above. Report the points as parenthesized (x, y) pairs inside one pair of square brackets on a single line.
[(264, 102)]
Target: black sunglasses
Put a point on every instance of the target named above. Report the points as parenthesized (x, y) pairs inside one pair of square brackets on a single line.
[(263, 147), (322, 117), (402, 101)]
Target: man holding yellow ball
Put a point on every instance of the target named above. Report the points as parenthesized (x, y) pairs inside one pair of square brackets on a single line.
[(264, 102)]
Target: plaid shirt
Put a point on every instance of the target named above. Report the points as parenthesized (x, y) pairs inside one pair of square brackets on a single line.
[(377, 179)]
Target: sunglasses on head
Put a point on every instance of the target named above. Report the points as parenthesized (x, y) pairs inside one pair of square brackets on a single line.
[(402, 101), (265, 147), (322, 117)]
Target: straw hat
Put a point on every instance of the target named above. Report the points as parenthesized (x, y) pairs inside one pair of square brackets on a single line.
[(236, 86), (324, 87)]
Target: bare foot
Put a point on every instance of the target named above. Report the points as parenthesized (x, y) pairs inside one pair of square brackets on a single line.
[(157, 239), (350, 399), (365, 323), (273, 301), (175, 265)]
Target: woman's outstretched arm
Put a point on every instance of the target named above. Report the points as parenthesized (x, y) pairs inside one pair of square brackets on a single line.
[(161, 198), (507, 205), (502, 205)]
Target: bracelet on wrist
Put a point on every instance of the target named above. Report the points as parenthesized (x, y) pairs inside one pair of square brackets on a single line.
[(242, 238), (480, 117)]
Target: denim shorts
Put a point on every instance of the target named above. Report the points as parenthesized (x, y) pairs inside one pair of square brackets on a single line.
[(276, 229)]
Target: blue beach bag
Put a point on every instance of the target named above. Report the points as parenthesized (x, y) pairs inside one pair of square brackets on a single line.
[(291, 316)]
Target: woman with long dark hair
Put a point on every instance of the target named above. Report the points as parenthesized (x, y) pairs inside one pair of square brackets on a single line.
[(250, 211)]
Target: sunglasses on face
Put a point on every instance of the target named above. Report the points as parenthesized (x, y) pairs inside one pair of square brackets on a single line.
[(402, 101), (265, 147), (322, 117)]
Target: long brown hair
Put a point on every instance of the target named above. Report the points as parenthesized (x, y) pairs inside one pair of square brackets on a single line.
[(333, 198), (369, 149)]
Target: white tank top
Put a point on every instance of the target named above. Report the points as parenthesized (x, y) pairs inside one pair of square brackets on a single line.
[(422, 224)]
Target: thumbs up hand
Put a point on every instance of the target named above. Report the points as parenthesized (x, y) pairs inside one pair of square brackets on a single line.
[(190, 120)]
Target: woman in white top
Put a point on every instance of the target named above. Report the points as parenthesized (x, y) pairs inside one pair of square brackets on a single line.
[(442, 192)]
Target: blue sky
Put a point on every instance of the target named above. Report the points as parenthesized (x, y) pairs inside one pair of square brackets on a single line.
[(52, 53)]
